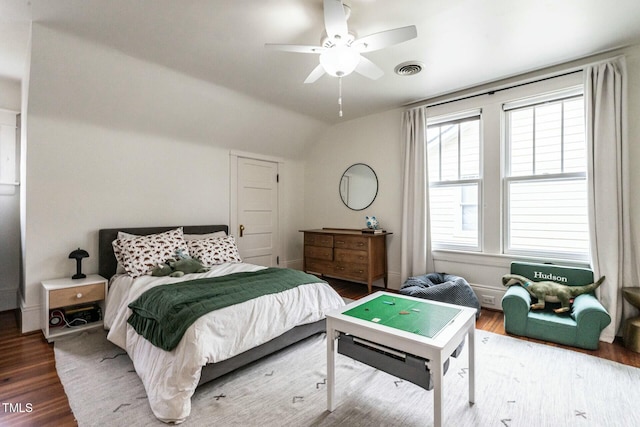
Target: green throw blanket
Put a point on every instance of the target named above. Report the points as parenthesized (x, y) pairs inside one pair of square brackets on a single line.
[(163, 314)]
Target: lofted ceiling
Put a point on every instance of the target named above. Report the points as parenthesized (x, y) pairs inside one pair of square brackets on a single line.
[(461, 43)]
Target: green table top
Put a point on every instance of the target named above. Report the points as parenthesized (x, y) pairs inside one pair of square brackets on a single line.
[(418, 317)]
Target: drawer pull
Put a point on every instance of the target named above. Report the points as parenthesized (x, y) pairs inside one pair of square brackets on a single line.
[(360, 244), (79, 295), (340, 241)]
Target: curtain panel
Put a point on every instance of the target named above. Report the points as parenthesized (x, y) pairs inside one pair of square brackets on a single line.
[(612, 247), (415, 255)]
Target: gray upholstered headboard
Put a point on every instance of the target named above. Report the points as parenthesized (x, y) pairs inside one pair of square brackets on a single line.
[(106, 259)]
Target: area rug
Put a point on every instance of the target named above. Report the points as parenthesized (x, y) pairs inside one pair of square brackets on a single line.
[(518, 383)]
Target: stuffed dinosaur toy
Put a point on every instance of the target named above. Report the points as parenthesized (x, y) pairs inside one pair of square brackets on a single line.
[(548, 291), (178, 267)]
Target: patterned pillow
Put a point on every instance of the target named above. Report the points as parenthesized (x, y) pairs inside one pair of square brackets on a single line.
[(139, 254), (188, 237), (214, 251)]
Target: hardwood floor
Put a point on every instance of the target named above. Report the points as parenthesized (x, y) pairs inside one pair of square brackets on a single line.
[(30, 389), (31, 393)]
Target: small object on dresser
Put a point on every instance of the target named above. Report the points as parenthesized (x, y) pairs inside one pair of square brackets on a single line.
[(372, 222), (373, 231), (78, 254)]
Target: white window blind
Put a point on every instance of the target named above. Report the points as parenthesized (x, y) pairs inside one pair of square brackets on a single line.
[(545, 180), (453, 150)]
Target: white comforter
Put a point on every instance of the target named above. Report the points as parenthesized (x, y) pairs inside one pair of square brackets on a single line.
[(170, 377)]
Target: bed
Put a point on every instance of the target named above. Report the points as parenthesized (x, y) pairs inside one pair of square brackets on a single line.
[(216, 343)]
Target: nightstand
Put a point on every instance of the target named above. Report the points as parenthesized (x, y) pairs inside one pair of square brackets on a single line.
[(72, 305)]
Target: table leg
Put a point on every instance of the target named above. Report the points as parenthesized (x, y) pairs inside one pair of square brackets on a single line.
[(438, 406), (472, 364), (331, 367)]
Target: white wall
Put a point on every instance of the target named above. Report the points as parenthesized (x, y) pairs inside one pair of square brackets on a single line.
[(9, 212), (376, 140), (114, 141), (9, 94)]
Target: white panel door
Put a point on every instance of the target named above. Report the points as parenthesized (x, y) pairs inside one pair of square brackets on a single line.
[(257, 211)]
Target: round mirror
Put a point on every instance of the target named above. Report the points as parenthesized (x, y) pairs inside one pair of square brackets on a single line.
[(358, 186)]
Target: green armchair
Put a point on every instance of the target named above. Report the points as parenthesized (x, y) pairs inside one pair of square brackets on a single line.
[(581, 327)]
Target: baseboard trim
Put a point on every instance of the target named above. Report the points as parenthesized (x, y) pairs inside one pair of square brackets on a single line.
[(30, 318), (489, 296)]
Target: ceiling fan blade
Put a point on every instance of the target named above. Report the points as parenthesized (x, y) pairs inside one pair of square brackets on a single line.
[(315, 74), (385, 38), (369, 69), (335, 20), (294, 48)]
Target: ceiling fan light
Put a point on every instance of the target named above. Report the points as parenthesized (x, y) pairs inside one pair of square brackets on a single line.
[(340, 61)]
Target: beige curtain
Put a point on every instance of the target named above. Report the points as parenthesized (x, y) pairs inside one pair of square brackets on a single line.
[(612, 248), (415, 255)]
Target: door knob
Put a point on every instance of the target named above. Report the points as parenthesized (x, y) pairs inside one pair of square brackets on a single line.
[(241, 230)]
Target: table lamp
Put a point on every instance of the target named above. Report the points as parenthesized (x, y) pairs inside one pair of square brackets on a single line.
[(78, 254)]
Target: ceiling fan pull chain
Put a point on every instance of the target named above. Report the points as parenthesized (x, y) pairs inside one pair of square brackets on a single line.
[(340, 96)]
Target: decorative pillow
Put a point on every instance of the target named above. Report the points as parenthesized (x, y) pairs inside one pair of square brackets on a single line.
[(215, 250), (213, 235), (122, 235), (138, 255)]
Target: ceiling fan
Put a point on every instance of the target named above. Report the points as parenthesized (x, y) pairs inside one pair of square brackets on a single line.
[(340, 50)]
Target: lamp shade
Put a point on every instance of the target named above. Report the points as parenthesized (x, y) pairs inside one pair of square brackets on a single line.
[(340, 61), (78, 254)]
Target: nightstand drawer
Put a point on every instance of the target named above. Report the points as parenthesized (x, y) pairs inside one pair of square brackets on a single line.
[(76, 295)]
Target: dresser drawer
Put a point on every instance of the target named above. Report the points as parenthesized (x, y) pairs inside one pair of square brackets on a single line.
[(76, 295), (319, 266), (318, 252), (351, 271), (351, 242), (351, 255), (318, 239)]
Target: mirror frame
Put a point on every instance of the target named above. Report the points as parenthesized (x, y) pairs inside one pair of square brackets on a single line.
[(374, 196)]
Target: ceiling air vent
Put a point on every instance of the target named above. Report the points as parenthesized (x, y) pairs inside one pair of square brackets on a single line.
[(409, 68)]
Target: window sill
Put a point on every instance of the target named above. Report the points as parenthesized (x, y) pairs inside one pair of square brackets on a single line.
[(497, 260)]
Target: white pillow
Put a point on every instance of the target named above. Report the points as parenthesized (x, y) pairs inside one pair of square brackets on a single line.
[(213, 235), (214, 251), (138, 255)]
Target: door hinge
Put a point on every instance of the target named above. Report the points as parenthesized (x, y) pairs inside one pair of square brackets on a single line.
[(277, 260), (277, 177)]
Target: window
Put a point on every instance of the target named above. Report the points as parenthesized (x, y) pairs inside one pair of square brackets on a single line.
[(453, 150), (545, 178)]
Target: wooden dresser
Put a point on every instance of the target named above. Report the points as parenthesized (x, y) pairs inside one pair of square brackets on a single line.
[(346, 254)]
